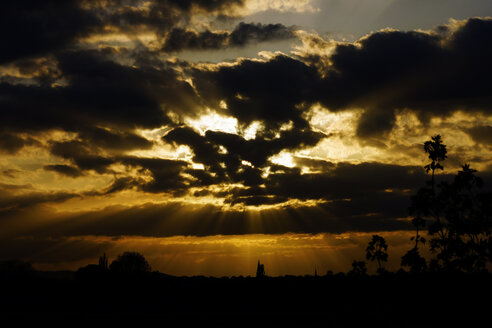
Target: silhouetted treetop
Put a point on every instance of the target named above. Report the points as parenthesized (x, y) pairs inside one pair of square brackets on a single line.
[(458, 216), (414, 260), (130, 263), (437, 153), (358, 268), (376, 251)]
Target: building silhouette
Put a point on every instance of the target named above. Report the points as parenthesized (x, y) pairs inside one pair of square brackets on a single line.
[(260, 270)]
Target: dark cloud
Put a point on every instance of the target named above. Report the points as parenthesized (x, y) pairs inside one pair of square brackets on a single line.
[(366, 197), (166, 175), (245, 33), (227, 162), (111, 140), (11, 173), (178, 219), (11, 143), (118, 184), (30, 27), (161, 175), (430, 73), (81, 155), (39, 71), (163, 15), (343, 182), (180, 39), (481, 134), (63, 169), (101, 100), (433, 74), (258, 150), (208, 5), (205, 152), (350, 190), (226, 159), (11, 203), (270, 91), (123, 95)]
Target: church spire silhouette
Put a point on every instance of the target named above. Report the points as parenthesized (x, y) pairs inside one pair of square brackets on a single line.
[(260, 270)]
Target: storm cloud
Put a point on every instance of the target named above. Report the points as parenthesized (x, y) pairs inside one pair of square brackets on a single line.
[(433, 74), (271, 91), (181, 39), (30, 27)]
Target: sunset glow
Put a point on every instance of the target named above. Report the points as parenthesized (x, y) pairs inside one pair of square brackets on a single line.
[(210, 134)]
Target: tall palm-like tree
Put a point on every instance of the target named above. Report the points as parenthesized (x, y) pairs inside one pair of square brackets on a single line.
[(437, 153), (377, 251)]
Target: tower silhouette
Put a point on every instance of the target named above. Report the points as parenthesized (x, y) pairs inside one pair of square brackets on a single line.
[(260, 270), (103, 262)]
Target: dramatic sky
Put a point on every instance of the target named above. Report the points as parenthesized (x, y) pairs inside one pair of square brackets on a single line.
[(206, 134)]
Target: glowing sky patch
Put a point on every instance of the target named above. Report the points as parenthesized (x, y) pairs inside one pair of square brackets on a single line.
[(214, 122), (294, 254)]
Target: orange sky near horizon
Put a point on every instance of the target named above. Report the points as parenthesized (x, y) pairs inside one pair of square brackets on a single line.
[(235, 255)]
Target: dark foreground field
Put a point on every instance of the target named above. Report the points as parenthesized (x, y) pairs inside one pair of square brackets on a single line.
[(391, 300)]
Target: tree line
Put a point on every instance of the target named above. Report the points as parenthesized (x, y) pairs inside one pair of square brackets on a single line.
[(458, 218)]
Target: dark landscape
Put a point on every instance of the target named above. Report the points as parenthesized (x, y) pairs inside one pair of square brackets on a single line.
[(339, 300)]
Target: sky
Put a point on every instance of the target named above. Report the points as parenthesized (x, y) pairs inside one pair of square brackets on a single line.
[(208, 134)]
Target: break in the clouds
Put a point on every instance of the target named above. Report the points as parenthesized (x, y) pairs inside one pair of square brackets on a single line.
[(113, 124)]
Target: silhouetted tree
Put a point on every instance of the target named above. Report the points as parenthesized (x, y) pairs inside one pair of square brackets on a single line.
[(418, 223), (358, 268), (458, 215), (130, 263), (377, 251), (412, 258), (437, 153), (462, 237), (103, 262)]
